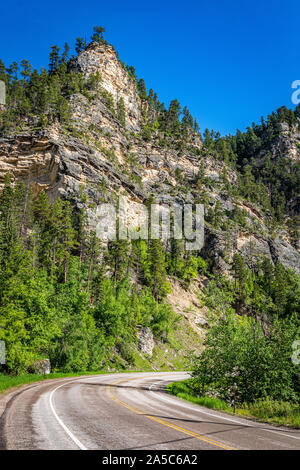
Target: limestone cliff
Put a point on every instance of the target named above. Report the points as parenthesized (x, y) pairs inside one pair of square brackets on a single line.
[(98, 155)]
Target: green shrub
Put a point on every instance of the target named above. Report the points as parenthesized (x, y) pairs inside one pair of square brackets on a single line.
[(184, 390), (267, 408)]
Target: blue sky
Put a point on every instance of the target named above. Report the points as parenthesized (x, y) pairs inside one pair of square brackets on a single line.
[(230, 62)]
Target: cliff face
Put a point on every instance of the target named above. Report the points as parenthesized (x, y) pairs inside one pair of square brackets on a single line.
[(114, 79), (99, 156)]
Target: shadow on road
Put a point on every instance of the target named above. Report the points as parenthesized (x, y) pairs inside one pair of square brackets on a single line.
[(230, 426), (149, 446)]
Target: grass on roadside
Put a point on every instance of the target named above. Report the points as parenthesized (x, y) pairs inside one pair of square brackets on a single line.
[(265, 410), (9, 381), (276, 412), (182, 390)]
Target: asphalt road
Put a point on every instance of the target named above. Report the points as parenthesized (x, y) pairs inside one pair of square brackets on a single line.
[(126, 411)]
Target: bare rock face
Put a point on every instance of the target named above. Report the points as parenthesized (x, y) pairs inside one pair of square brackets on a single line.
[(221, 246), (145, 341), (105, 159), (286, 254), (202, 322), (41, 367), (32, 159), (114, 79)]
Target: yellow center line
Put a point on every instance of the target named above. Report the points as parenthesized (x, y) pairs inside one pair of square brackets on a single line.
[(163, 422)]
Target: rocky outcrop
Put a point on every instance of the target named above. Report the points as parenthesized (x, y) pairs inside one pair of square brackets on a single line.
[(114, 79), (102, 158), (145, 341), (32, 159), (2, 353), (282, 251), (221, 246), (40, 367)]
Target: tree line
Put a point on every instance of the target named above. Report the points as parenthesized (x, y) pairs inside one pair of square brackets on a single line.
[(66, 296)]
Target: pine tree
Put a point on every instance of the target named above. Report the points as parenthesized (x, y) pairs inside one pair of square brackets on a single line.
[(150, 98), (280, 288), (26, 69), (142, 89), (118, 258), (65, 53), (157, 267), (8, 230), (267, 269), (80, 45), (240, 275), (121, 114), (208, 139), (54, 59), (93, 250), (98, 35), (187, 119), (175, 257), (248, 182), (173, 114), (13, 70)]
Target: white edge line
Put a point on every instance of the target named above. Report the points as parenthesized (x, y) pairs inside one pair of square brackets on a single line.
[(65, 428), (82, 447)]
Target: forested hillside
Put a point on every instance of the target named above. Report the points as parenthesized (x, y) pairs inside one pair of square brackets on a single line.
[(84, 132)]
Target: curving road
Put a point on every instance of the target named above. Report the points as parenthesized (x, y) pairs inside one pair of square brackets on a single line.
[(125, 411)]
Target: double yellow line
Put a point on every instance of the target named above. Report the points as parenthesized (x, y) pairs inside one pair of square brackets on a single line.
[(163, 422)]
